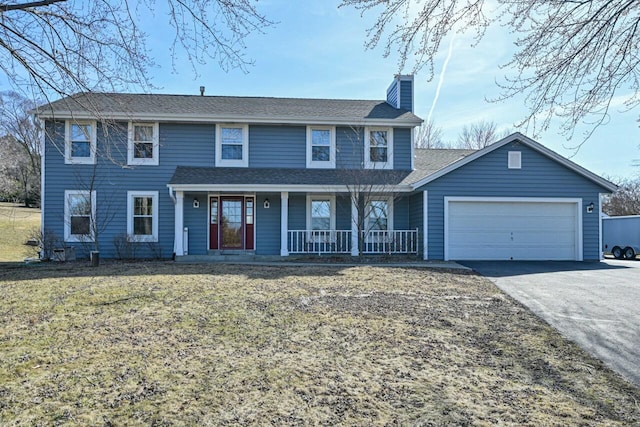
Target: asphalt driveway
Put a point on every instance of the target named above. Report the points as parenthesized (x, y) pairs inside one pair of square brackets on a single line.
[(596, 305)]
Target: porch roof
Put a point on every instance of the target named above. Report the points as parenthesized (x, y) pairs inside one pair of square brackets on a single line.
[(427, 162), (195, 177)]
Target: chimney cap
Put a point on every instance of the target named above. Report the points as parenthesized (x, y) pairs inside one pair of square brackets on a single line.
[(201, 90)]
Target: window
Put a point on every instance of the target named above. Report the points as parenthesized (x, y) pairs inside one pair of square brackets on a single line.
[(378, 146), (321, 147), (378, 220), (378, 215), (515, 160), (232, 142), (142, 216), (80, 142), (79, 215), (143, 147), (321, 213)]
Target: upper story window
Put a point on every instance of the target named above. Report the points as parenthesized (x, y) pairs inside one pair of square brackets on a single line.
[(143, 147), (142, 216), (232, 145), (321, 147), (378, 148), (80, 142), (79, 215)]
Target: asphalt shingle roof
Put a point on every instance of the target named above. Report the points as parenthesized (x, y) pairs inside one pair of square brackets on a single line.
[(109, 104), (427, 162)]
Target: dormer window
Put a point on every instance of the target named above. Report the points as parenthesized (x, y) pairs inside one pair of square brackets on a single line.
[(143, 147), (378, 146), (321, 147), (232, 145)]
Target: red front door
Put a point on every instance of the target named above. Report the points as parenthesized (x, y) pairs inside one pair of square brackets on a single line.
[(231, 222)]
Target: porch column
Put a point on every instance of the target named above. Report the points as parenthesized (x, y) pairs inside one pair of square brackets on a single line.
[(284, 222), (354, 224), (425, 225), (179, 224)]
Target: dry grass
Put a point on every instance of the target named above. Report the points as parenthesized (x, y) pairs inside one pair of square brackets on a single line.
[(164, 344), (16, 223)]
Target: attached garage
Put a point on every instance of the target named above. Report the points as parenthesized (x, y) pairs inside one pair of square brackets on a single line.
[(512, 228)]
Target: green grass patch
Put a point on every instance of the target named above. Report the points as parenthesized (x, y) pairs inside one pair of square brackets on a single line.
[(164, 343), (16, 225)]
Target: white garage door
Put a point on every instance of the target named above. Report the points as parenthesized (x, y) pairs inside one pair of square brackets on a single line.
[(512, 230)]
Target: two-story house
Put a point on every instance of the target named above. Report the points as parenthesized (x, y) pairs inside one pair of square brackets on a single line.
[(160, 175)]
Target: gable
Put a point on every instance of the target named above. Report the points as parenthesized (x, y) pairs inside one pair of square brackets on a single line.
[(543, 163), (490, 173)]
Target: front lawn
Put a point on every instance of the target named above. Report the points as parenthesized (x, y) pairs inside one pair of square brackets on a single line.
[(17, 224), (163, 344)]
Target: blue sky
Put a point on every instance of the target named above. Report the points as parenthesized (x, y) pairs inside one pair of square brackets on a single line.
[(317, 50)]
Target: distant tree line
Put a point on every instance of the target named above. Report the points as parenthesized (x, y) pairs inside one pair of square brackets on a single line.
[(473, 136), (19, 151)]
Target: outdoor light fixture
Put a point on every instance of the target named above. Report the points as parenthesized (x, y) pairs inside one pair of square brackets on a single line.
[(590, 207), (266, 204), (196, 203)]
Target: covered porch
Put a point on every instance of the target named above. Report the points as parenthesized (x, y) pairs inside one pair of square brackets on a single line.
[(223, 218)]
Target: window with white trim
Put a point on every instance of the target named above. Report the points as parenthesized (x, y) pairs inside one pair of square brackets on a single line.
[(232, 145), (79, 215), (378, 215), (378, 148), (321, 147), (142, 216), (321, 213), (514, 160), (80, 142), (143, 146)]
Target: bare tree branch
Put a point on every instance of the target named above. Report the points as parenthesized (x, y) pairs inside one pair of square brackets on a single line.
[(62, 48), (575, 60)]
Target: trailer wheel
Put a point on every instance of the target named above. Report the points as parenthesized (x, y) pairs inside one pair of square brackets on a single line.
[(629, 253), (617, 252)]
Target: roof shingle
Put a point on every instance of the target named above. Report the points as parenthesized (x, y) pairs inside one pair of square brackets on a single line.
[(263, 108)]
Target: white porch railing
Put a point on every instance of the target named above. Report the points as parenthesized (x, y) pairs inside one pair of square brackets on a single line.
[(319, 241), (390, 242), (339, 242)]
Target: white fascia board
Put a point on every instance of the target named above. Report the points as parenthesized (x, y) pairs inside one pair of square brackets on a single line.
[(278, 188), (207, 118), (620, 217), (517, 136)]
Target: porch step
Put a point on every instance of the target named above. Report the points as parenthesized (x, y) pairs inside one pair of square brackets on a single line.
[(217, 258)]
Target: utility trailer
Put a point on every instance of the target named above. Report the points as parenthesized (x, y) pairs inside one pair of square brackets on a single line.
[(621, 236)]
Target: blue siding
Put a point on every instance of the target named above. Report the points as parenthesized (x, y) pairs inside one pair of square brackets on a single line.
[(392, 93), (297, 212), (277, 146), (179, 144), (268, 224), (416, 207), (406, 94), (197, 220), (343, 212), (349, 147), (401, 214), (402, 148), (489, 176)]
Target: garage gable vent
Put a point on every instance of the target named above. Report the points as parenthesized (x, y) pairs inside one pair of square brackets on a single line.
[(515, 160)]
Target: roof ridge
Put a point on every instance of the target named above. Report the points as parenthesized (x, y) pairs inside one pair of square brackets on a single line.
[(116, 94)]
